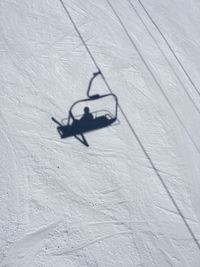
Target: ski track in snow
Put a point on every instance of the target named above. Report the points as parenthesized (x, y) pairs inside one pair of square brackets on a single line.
[(63, 204)]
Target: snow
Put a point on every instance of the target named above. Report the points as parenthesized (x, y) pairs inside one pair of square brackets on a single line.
[(118, 202)]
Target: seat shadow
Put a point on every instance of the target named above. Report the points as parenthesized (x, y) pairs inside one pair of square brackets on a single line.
[(86, 123)]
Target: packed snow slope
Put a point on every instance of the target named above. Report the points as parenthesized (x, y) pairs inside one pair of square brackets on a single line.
[(132, 197)]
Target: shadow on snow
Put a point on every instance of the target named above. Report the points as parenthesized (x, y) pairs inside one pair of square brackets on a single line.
[(89, 121)]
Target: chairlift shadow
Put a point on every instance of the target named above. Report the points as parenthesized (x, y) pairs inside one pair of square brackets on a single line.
[(77, 126)]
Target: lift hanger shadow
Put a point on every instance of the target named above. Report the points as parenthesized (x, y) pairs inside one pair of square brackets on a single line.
[(78, 125)]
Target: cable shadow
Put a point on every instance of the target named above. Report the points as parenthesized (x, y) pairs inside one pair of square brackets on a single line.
[(170, 47), (164, 55)]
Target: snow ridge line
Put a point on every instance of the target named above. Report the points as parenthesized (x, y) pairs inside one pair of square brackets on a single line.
[(170, 47), (164, 55), (154, 78), (134, 133)]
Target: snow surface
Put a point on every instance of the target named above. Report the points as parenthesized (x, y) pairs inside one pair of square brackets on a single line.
[(63, 204)]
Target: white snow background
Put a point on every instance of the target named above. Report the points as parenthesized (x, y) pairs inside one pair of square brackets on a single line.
[(132, 198)]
